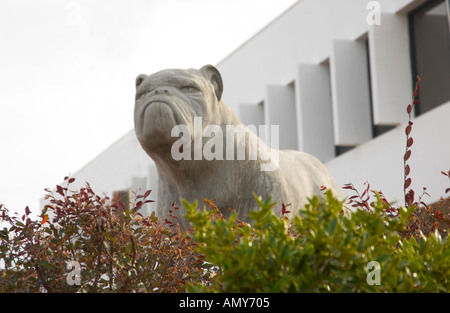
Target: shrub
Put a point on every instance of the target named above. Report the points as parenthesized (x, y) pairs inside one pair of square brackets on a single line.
[(321, 250), (111, 247)]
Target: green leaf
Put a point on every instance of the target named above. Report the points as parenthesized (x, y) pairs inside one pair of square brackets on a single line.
[(332, 226)]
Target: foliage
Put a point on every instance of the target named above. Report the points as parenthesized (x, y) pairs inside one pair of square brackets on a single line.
[(321, 250), (117, 249)]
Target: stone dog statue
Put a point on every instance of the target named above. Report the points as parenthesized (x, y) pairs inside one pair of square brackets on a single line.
[(204, 162)]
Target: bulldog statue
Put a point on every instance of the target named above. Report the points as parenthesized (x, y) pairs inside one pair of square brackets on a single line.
[(202, 150)]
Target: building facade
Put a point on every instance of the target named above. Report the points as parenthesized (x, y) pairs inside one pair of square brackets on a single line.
[(336, 76)]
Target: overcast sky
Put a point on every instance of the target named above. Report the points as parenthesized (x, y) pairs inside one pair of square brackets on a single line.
[(67, 72)]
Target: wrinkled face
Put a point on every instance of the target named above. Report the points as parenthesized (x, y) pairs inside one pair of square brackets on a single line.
[(173, 97)]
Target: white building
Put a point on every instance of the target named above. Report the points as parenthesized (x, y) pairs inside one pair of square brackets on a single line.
[(337, 76)]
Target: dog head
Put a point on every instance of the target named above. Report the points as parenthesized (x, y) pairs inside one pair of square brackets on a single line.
[(172, 97)]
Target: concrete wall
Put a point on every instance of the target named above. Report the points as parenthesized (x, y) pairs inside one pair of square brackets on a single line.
[(319, 47)]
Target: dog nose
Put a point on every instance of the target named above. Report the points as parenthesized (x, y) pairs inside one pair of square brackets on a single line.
[(164, 91)]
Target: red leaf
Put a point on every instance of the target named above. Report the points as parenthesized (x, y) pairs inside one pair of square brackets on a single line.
[(447, 190), (364, 193), (415, 102), (407, 170), (23, 217), (409, 142), (407, 183), (407, 155), (60, 190), (283, 208), (71, 180), (409, 109), (44, 220), (348, 186), (409, 198), (408, 129), (27, 210), (147, 193), (415, 93)]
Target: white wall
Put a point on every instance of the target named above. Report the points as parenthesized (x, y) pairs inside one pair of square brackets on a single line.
[(303, 34), (317, 36)]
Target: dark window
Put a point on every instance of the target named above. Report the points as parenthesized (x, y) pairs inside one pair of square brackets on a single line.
[(341, 149), (430, 47)]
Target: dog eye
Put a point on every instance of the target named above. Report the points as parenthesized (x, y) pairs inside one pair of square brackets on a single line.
[(189, 89)]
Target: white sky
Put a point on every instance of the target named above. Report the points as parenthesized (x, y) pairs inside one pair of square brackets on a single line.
[(67, 72)]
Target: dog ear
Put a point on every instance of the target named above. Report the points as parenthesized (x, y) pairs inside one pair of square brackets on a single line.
[(140, 79), (215, 78)]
